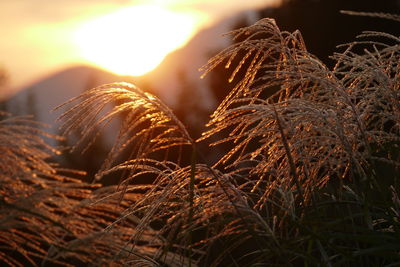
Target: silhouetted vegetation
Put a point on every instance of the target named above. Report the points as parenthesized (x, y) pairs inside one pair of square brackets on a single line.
[(311, 177)]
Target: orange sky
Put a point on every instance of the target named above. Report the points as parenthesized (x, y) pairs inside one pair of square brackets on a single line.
[(40, 36)]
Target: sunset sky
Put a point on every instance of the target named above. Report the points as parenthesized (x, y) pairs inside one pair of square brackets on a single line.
[(42, 36)]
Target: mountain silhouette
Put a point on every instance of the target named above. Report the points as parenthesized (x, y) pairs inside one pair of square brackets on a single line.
[(39, 98)]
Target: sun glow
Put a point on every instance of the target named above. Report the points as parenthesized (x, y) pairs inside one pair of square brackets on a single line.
[(134, 40)]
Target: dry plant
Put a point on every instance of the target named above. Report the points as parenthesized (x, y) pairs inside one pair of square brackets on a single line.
[(310, 178), (46, 216), (306, 143), (325, 139), (148, 125)]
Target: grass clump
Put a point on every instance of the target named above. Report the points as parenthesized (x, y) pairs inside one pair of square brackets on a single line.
[(310, 177)]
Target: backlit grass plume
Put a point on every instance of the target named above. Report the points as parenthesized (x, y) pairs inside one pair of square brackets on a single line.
[(147, 125), (319, 125)]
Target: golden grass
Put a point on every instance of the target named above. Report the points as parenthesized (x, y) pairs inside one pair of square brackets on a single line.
[(310, 178)]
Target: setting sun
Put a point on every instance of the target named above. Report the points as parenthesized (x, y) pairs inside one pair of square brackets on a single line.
[(134, 40)]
